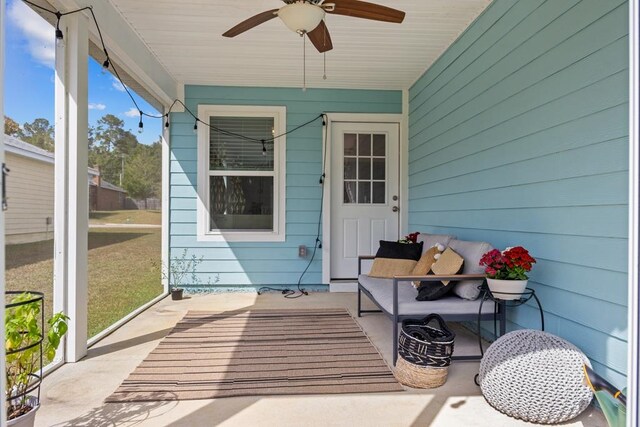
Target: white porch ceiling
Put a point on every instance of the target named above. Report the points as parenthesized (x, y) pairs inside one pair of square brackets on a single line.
[(186, 37)]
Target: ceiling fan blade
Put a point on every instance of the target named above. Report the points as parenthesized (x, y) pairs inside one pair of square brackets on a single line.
[(320, 38), (254, 21), (361, 9)]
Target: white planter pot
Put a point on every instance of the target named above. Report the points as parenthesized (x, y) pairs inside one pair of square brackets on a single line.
[(28, 419), (506, 289)]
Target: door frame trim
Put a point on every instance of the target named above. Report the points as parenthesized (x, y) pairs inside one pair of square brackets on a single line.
[(403, 142)]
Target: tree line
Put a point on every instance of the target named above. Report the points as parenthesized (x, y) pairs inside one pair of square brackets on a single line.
[(110, 147)]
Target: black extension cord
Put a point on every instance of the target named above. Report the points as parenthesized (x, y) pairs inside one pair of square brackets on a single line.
[(290, 293)]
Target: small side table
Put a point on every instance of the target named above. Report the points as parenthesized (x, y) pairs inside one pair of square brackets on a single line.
[(502, 305)]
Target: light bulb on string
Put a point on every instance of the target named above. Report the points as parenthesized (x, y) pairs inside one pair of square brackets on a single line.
[(59, 35), (140, 124), (195, 126), (264, 148), (166, 124), (105, 66)]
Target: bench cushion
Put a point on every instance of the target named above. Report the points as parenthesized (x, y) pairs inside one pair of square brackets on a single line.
[(450, 307)]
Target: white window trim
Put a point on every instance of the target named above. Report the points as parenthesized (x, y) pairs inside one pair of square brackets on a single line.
[(279, 115)]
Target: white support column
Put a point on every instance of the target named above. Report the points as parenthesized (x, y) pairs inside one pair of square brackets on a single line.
[(166, 183), (60, 192), (71, 186), (3, 412), (633, 352)]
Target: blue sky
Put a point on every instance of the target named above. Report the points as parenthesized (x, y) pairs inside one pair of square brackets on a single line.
[(29, 77)]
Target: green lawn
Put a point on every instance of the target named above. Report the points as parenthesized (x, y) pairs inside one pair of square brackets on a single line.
[(125, 217), (122, 276)]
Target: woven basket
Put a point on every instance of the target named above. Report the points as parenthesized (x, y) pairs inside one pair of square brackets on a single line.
[(416, 376), (426, 342)]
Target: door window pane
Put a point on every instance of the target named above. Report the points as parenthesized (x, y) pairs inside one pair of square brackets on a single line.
[(364, 192), (350, 144), (364, 168), (379, 166), (349, 168), (379, 192), (379, 145), (364, 145), (349, 192)]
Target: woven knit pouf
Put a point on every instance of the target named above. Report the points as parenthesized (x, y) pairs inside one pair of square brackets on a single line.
[(535, 376)]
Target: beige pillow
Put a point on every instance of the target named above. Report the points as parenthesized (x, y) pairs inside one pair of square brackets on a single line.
[(388, 267), (424, 263), (448, 263)]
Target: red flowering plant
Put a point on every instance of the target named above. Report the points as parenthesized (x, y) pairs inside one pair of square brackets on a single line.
[(410, 238), (510, 264)]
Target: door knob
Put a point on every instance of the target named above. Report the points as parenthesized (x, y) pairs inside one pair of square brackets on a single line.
[(395, 209)]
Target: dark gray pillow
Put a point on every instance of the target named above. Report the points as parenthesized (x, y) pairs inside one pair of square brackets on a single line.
[(431, 291)]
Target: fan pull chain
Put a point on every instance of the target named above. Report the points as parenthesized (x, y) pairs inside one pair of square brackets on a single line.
[(324, 75), (304, 63), (324, 57)]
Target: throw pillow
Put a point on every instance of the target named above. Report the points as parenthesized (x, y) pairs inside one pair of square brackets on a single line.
[(431, 291), (395, 259), (448, 263), (426, 261), (472, 252)]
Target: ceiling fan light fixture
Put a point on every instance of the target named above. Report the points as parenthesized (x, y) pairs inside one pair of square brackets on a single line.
[(301, 17)]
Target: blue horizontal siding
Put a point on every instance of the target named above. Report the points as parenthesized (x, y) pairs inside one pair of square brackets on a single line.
[(262, 263), (519, 136)]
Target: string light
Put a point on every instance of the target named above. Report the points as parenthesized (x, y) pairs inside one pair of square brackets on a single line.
[(107, 64), (59, 35)]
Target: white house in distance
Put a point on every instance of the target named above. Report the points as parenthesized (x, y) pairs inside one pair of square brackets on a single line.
[(30, 189), (30, 192)]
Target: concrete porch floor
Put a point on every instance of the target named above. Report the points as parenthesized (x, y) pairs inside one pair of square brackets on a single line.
[(74, 394)]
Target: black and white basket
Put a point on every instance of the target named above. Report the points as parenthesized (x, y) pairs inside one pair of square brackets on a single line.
[(426, 342)]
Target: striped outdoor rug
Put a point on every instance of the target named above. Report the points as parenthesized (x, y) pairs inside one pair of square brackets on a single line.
[(259, 352)]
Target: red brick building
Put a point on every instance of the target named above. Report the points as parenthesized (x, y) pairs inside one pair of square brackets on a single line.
[(104, 196)]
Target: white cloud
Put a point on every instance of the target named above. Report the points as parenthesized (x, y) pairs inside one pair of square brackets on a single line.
[(39, 33), (117, 85), (97, 106), (133, 112)]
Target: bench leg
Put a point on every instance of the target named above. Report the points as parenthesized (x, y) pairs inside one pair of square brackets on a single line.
[(359, 302), (395, 340)]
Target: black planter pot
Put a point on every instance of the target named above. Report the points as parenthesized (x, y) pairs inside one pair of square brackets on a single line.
[(176, 294)]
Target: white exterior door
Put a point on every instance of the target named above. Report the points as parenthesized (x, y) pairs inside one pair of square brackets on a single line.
[(364, 192)]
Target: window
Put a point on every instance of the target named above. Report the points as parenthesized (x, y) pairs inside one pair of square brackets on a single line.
[(241, 187), (365, 165)]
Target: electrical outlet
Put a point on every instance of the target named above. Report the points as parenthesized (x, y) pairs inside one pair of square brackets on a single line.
[(302, 251)]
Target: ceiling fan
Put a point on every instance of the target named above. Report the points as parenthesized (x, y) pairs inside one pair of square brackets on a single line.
[(307, 17)]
